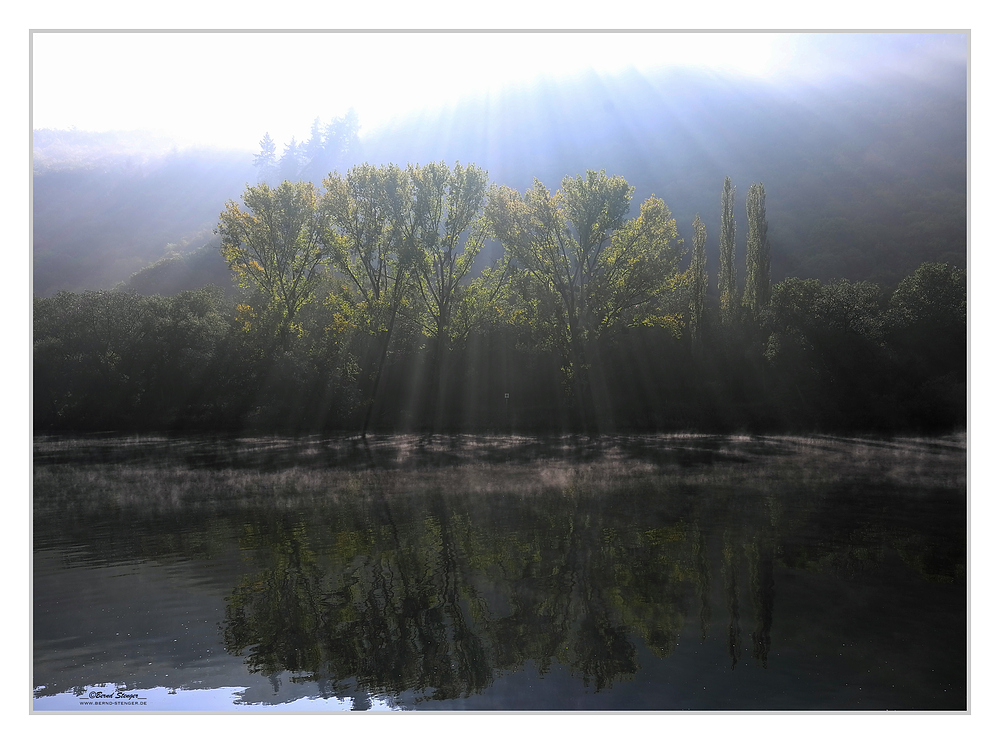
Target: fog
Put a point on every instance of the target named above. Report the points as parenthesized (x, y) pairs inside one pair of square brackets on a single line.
[(860, 139)]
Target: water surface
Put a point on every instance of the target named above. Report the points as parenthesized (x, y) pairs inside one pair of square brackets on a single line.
[(652, 573)]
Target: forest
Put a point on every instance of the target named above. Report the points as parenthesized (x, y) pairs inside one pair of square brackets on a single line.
[(364, 304)]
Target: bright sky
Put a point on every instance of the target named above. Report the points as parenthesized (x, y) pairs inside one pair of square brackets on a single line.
[(229, 88)]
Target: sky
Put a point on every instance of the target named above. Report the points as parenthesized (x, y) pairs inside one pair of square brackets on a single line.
[(227, 89)]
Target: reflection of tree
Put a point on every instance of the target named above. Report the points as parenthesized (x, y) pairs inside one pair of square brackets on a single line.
[(424, 600), (274, 614), (652, 581), (419, 593), (730, 570), (704, 580), (603, 651), (400, 623), (760, 558)]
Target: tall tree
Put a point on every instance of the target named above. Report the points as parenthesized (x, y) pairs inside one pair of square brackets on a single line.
[(277, 246), (266, 161), (447, 230), (341, 145), (728, 297), (369, 209), (312, 148), (290, 165), (757, 291), (606, 272), (698, 279)]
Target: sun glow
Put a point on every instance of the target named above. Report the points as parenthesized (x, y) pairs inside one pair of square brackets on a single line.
[(228, 88)]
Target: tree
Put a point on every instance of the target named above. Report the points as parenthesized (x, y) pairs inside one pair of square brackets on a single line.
[(114, 358), (341, 139), (927, 333), (698, 278), (757, 290), (290, 165), (370, 242), (727, 254), (447, 230), (932, 296), (330, 147), (277, 246), (825, 353), (576, 244), (266, 160), (312, 148)]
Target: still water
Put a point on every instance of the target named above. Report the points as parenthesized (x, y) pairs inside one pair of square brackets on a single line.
[(476, 573)]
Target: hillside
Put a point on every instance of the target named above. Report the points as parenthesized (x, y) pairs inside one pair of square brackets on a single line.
[(103, 208), (865, 180)]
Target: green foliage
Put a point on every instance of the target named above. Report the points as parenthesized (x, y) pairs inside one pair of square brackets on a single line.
[(586, 300), (367, 209), (926, 329), (757, 290), (109, 358), (447, 229), (587, 272), (607, 273), (933, 294), (728, 297), (278, 247), (373, 245), (812, 315), (698, 278)]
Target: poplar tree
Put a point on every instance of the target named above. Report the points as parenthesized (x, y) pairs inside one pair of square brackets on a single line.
[(277, 246), (604, 271), (757, 292), (369, 209), (698, 278), (446, 228), (728, 297)]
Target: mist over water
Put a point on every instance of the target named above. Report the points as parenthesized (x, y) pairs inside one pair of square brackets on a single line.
[(655, 573)]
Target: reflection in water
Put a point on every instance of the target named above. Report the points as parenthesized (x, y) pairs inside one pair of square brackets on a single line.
[(433, 585), (731, 571), (760, 558)]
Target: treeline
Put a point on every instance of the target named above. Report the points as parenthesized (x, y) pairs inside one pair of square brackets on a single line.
[(360, 309)]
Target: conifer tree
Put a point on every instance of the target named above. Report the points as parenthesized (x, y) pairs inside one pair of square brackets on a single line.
[(290, 165), (727, 249), (266, 161)]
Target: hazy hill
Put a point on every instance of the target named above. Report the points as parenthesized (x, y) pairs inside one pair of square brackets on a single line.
[(865, 179), (105, 206)]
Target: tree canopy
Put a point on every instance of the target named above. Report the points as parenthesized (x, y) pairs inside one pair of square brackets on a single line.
[(363, 305), (277, 246)]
